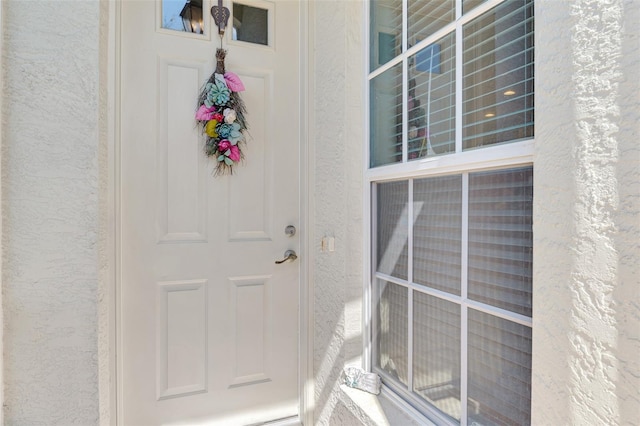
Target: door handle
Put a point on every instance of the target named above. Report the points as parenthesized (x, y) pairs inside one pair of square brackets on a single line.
[(288, 255)]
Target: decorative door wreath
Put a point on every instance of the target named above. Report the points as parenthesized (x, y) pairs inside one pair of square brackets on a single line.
[(221, 114)]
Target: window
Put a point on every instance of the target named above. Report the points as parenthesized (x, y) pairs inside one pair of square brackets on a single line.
[(451, 126)]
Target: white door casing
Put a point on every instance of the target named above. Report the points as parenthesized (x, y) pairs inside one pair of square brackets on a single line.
[(209, 325)]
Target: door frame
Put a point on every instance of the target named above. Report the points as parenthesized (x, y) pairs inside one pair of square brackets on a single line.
[(109, 335)]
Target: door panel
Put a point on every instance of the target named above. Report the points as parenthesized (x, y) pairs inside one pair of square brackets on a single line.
[(182, 175), (208, 324), (182, 338)]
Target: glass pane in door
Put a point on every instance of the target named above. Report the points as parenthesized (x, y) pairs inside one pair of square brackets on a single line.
[(250, 24), (182, 15)]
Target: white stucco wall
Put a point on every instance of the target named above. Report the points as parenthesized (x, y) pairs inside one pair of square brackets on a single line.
[(51, 165), (338, 135), (586, 335), (587, 211)]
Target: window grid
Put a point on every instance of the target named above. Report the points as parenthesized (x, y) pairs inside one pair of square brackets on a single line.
[(478, 306), (406, 51), (462, 300), (402, 58), (430, 168)]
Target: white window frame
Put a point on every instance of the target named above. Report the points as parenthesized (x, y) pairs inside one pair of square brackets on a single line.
[(500, 156)]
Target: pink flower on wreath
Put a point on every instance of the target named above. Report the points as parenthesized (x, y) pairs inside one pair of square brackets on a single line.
[(219, 117), (233, 82), (235, 153), (206, 114), (224, 145)]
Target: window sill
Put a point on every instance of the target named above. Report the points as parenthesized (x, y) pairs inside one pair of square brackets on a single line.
[(380, 410)]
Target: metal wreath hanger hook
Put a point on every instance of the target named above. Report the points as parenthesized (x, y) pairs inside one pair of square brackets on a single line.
[(220, 16)]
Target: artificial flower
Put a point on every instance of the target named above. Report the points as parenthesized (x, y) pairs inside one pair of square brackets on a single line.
[(235, 135), (224, 130), (217, 92), (234, 153), (229, 115), (205, 113), (233, 82), (210, 128), (218, 117), (224, 145)]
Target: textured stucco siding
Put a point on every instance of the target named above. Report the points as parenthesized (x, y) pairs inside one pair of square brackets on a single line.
[(586, 212), (50, 185), (338, 135), (338, 112), (586, 334)]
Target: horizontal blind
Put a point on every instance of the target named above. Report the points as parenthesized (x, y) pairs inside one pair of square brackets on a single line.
[(499, 371), (498, 102), (392, 344), (385, 31), (393, 229), (437, 206), (431, 99), (385, 117), (500, 261), (436, 352), (428, 16)]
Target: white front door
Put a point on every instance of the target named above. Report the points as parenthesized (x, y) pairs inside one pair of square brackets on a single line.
[(208, 325)]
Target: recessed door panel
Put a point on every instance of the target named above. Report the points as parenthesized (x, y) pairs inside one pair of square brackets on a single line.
[(250, 309), (251, 217), (182, 338), (182, 206)]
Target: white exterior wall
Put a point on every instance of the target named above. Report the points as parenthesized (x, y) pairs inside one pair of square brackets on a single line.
[(587, 211), (338, 134), (586, 306), (52, 166), (586, 337)]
